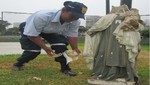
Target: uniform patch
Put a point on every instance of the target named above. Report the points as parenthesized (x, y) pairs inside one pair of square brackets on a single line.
[(83, 10)]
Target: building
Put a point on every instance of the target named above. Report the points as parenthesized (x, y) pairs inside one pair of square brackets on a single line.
[(91, 20), (16, 24)]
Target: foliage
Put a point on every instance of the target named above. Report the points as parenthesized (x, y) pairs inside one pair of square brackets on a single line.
[(145, 33), (82, 30), (12, 31), (3, 25)]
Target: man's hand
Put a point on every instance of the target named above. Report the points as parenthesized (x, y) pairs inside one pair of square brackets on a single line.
[(77, 51), (37, 40), (49, 51), (73, 44)]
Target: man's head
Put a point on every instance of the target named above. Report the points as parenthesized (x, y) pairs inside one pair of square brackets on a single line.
[(76, 10)]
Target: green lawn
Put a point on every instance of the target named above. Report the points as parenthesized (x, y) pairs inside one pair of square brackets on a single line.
[(45, 68)]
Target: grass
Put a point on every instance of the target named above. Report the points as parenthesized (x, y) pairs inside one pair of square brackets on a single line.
[(145, 47), (143, 65), (9, 38), (45, 68), (42, 67)]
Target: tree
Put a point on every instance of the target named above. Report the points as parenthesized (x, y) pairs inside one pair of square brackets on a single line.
[(3, 25), (145, 33), (82, 30), (12, 31)]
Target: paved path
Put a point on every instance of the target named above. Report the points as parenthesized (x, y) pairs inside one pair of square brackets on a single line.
[(11, 48)]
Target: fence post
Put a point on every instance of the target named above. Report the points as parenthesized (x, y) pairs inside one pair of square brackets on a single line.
[(107, 6), (127, 2)]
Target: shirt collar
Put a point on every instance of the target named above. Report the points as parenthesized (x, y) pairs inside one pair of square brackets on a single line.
[(57, 16)]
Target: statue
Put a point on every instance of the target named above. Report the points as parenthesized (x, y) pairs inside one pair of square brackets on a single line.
[(112, 46)]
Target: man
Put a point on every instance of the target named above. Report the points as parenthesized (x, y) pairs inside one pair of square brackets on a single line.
[(57, 27)]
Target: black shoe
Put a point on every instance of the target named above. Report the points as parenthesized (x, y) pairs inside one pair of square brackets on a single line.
[(136, 79), (136, 83), (69, 73), (17, 68)]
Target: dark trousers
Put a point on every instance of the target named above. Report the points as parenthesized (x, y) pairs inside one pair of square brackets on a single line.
[(51, 38)]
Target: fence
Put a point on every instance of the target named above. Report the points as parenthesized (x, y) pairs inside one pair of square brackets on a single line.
[(15, 18)]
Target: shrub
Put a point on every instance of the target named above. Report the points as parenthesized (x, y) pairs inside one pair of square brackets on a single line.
[(145, 33), (12, 31)]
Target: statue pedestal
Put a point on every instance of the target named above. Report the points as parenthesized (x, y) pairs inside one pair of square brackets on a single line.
[(102, 82)]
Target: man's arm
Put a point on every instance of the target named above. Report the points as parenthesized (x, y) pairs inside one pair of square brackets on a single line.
[(73, 43), (37, 40)]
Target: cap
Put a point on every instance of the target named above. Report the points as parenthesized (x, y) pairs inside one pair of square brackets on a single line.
[(78, 9)]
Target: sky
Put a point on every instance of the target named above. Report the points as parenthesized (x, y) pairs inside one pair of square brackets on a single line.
[(95, 7)]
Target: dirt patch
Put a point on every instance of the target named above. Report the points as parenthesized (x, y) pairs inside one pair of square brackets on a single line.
[(144, 54)]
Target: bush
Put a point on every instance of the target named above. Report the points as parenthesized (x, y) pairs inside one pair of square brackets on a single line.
[(145, 33), (12, 31), (145, 36)]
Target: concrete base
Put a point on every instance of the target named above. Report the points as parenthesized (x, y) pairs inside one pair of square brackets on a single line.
[(102, 82)]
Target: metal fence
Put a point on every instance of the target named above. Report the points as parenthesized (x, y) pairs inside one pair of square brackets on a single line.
[(15, 18)]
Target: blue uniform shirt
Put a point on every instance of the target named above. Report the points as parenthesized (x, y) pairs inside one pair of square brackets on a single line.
[(48, 21)]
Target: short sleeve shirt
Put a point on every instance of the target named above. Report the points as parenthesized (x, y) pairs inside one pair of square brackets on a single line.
[(48, 21)]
